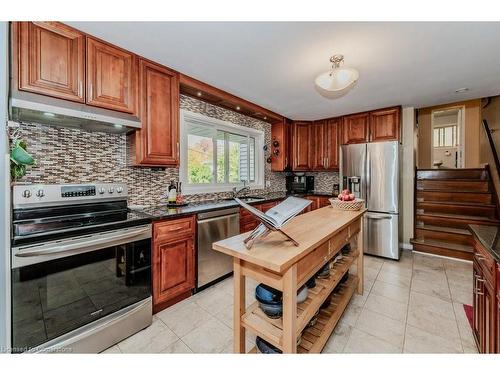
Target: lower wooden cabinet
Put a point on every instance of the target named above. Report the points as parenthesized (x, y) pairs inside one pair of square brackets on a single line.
[(497, 334), (249, 222), (485, 301), (318, 201), (173, 260)]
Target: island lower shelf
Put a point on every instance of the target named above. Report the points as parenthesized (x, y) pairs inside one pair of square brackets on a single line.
[(271, 330)]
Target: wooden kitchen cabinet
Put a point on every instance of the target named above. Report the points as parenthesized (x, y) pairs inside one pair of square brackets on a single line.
[(281, 146), (325, 145), (497, 320), (332, 135), (51, 59), (485, 300), (173, 260), (111, 77), (301, 145), (318, 145), (385, 124), (247, 221), (157, 142), (355, 128)]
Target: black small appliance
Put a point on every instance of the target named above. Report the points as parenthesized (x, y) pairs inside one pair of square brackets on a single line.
[(299, 184)]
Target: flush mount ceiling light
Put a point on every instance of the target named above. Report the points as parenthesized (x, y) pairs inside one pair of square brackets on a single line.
[(338, 81)]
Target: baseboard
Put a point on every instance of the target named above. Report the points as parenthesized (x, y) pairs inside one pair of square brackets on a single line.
[(406, 246)]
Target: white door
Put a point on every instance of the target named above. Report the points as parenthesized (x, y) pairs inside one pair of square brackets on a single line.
[(447, 138)]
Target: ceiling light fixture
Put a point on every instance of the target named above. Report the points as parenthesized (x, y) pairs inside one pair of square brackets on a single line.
[(338, 81), (238, 108), (198, 93)]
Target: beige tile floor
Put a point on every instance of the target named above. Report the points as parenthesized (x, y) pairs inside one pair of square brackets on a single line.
[(410, 306)]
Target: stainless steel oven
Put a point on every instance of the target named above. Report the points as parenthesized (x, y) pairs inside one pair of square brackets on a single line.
[(81, 292)]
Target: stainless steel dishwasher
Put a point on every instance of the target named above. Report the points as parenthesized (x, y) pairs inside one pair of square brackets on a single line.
[(214, 226)]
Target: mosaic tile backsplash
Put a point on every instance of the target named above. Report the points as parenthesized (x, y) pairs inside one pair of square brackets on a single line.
[(66, 155)]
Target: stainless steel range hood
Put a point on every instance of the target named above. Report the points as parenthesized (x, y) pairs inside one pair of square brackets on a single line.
[(29, 107)]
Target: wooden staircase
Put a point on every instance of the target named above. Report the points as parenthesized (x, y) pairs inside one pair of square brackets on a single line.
[(446, 202)]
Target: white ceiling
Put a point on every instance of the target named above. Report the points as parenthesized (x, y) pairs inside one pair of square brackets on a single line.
[(274, 64)]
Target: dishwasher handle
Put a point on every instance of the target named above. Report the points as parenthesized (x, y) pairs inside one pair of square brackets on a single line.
[(216, 218), (218, 214)]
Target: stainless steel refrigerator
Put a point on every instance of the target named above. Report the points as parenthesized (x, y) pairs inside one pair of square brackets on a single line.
[(371, 172)]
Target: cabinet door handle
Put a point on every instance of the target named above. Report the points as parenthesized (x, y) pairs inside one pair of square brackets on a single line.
[(178, 150), (80, 88), (91, 91)]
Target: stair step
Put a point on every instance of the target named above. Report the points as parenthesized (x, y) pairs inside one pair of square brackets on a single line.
[(443, 248), (473, 173), (462, 197), (446, 234), (453, 220), (437, 228), (453, 185), (459, 208)]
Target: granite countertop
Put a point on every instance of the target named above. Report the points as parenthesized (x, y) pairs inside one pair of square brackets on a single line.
[(161, 211), (489, 236)]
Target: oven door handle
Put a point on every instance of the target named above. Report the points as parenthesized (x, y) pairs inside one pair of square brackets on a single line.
[(84, 245)]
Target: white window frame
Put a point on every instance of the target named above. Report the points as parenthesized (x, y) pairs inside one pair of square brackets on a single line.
[(188, 117)]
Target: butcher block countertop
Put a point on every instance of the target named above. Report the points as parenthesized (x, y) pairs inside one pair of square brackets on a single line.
[(276, 253)]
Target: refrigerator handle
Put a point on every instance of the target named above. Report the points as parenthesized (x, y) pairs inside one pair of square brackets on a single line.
[(368, 175)]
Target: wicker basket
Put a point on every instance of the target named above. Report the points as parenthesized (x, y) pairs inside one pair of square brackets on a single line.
[(354, 205)]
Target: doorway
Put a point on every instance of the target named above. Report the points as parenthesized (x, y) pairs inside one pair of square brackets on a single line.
[(447, 138)]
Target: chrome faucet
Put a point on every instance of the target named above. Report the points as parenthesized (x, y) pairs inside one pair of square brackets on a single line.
[(237, 191)]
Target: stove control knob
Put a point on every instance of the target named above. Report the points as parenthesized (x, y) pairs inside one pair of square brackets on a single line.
[(40, 193), (119, 189), (111, 190), (102, 190), (26, 193)]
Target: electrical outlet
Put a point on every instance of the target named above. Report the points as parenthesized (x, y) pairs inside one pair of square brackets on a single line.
[(268, 183)]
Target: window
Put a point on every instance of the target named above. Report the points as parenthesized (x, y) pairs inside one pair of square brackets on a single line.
[(218, 155), (445, 136)]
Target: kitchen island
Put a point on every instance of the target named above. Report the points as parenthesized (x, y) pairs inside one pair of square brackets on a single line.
[(278, 263)]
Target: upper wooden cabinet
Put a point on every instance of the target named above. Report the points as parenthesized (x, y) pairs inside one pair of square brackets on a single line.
[(111, 77), (325, 144), (384, 124), (281, 146), (301, 145), (318, 145), (332, 132), (51, 59), (355, 128), (157, 143), (379, 125)]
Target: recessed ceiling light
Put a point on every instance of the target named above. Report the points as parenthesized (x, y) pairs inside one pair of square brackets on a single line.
[(198, 93), (118, 126), (265, 117), (238, 108), (48, 114), (462, 89)]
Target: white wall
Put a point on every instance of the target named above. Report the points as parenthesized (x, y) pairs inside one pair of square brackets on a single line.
[(407, 167), (4, 195)]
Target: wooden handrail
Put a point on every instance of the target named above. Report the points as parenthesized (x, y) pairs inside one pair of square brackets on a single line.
[(492, 146)]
